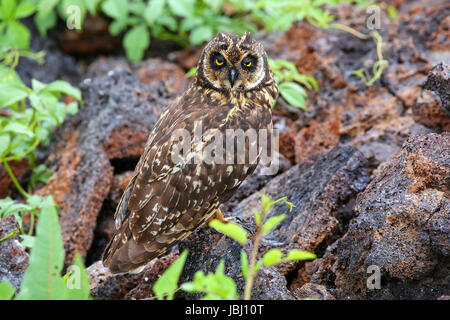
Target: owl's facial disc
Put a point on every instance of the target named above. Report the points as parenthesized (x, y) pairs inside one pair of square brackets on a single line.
[(233, 63)]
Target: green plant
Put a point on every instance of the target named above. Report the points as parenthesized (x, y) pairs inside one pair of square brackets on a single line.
[(27, 118), (42, 278), (215, 286), (12, 32), (186, 21), (167, 284), (32, 115), (272, 257), (6, 290), (289, 79)]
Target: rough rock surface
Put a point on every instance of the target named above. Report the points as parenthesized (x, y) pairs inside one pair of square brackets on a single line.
[(131, 286), (403, 227), (323, 197), (13, 258), (378, 118), (432, 108), (312, 291), (439, 81)]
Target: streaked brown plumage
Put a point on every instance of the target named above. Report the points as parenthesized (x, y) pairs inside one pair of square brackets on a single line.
[(165, 201)]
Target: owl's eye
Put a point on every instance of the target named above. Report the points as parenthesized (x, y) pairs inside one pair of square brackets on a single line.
[(249, 62), (219, 62)]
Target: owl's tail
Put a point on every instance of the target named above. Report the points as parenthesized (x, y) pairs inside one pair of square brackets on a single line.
[(123, 254)]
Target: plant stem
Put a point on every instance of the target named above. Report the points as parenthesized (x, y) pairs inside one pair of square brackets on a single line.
[(12, 234), (254, 255), (14, 180), (350, 30)]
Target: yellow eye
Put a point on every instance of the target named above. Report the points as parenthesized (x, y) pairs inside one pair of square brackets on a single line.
[(248, 65), (219, 63)]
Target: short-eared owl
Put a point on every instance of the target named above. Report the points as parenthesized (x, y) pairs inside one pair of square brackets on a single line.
[(167, 199)]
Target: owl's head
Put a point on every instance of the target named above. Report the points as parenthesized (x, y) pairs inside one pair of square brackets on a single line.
[(233, 63)]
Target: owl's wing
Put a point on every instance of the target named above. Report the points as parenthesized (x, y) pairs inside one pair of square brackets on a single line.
[(163, 201)]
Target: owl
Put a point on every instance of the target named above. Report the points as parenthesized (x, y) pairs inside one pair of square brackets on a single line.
[(170, 196)]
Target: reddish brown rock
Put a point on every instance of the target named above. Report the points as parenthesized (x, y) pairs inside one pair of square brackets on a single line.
[(432, 108), (428, 110), (439, 82), (94, 38), (378, 118), (323, 196), (125, 142), (403, 228), (156, 70), (315, 140)]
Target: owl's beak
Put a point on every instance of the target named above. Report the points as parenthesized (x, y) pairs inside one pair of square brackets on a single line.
[(232, 76)]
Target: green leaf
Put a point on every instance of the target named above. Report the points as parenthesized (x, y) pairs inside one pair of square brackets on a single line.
[(9, 206), (39, 174), (266, 203), (117, 9), (7, 8), (45, 17), (10, 94), (117, 26), (18, 128), (294, 94), (272, 222), (4, 144), (257, 215), (6, 290), (42, 279), (392, 12), (167, 284), (153, 11), (231, 229), (182, 8), (24, 9), (136, 40), (72, 108), (191, 72), (271, 257), (296, 254), (217, 286), (200, 34), (92, 6), (27, 241), (64, 87), (37, 85), (190, 23), (244, 263)]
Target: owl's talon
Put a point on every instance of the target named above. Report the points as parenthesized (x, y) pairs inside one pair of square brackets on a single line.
[(218, 215)]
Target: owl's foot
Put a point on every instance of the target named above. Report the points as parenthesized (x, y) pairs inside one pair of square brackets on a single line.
[(219, 216)]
